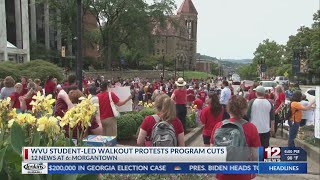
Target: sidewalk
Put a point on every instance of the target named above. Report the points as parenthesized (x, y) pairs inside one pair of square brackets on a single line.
[(313, 167)]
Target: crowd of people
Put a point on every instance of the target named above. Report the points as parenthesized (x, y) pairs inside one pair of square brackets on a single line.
[(216, 106)]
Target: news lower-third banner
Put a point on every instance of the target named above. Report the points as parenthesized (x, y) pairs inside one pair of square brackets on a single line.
[(163, 160)]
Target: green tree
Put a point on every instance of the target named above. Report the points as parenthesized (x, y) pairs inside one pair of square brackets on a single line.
[(122, 22), (248, 71), (269, 52), (215, 69), (307, 37), (314, 51)]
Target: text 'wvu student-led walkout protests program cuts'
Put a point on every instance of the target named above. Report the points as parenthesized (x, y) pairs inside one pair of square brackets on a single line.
[(159, 160)]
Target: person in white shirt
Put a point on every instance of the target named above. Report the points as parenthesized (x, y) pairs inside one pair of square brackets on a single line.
[(261, 114), (224, 97)]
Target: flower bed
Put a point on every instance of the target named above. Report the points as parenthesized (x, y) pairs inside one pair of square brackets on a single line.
[(39, 128)]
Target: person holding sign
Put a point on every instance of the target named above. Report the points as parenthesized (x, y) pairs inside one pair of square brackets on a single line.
[(296, 116), (108, 120)]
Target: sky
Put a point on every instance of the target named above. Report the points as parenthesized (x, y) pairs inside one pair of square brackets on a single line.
[(233, 29)]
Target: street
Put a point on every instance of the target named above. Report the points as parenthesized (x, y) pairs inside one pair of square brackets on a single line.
[(313, 167)]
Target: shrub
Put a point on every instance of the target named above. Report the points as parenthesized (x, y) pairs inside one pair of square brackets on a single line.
[(147, 112), (137, 118), (10, 69), (191, 120), (126, 126), (33, 69), (41, 69)]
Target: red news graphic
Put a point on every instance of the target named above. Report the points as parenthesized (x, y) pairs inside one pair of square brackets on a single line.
[(272, 154), (26, 155)]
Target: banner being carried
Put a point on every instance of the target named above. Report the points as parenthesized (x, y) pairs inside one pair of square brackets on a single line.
[(317, 114), (123, 93)]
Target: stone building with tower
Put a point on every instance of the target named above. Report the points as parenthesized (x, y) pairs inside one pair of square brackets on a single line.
[(178, 39)]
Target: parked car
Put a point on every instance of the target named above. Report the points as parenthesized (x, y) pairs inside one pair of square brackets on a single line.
[(246, 84), (310, 94), (281, 80), (268, 85)]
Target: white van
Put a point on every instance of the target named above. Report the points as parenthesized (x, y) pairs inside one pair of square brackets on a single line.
[(236, 79), (281, 80)]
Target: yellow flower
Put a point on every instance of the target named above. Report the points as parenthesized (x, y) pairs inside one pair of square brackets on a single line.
[(42, 123), (42, 104), (4, 104), (22, 120), (12, 114), (10, 123), (80, 114), (48, 125)]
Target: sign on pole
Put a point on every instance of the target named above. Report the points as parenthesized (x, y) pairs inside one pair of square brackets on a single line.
[(263, 67), (317, 114), (63, 51)]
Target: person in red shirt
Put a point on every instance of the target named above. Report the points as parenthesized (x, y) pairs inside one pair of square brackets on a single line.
[(199, 103), (24, 82), (50, 86), (190, 95), (237, 108), (166, 111), (26, 99), (252, 94), (202, 95), (280, 100), (109, 122), (15, 97), (179, 95), (63, 102), (210, 116)]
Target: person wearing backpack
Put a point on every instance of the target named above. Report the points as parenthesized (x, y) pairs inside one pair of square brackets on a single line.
[(236, 134), (296, 116), (163, 125), (210, 116)]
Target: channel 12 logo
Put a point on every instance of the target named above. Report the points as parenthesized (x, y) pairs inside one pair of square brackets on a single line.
[(272, 154)]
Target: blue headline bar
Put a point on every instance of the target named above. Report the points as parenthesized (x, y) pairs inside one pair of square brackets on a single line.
[(178, 168)]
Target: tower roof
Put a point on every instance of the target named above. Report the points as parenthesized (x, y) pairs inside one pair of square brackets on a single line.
[(187, 7)]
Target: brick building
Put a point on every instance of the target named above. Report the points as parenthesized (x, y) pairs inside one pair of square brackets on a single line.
[(178, 40)]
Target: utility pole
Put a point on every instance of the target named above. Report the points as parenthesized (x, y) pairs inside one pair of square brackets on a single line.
[(175, 69), (163, 67), (184, 61), (79, 44)]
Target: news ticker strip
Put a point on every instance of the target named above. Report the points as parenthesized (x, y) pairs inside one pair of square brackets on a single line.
[(165, 168)]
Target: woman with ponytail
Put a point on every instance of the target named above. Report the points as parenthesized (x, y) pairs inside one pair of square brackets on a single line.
[(166, 111)]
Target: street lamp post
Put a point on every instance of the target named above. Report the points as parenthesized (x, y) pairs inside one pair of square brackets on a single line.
[(175, 68), (183, 63), (79, 44), (163, 67)]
